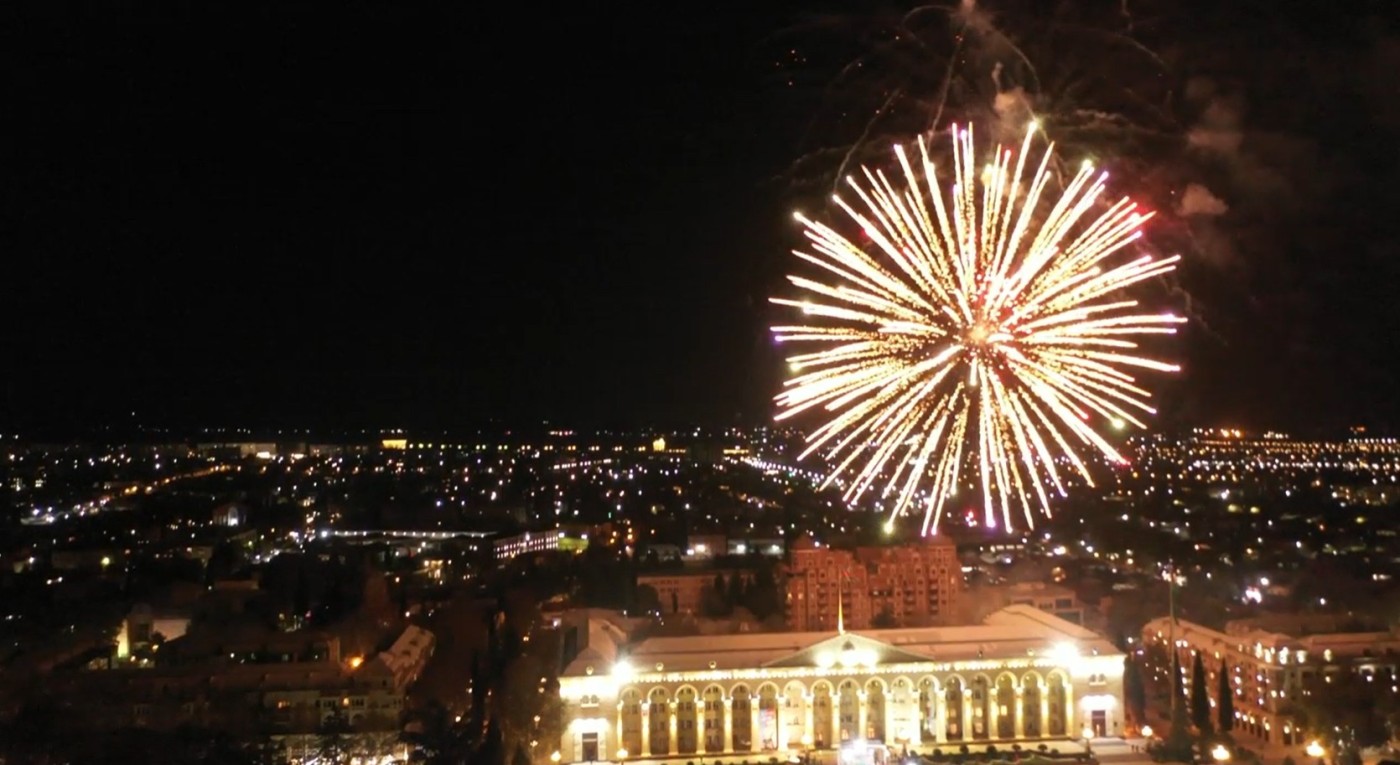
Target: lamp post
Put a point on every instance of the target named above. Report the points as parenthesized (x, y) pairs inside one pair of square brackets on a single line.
[(1088, 734), (1220, 753), (1315, 749)]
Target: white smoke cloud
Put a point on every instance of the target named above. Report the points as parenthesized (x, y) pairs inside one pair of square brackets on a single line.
[(1198, 200), (1220, 127), (1013, 105), (1200, 89)]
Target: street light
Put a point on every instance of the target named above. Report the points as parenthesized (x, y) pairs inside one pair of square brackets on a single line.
[(554, 756), (1220, 753), (1147, 731), (622, 754), (1315, 750)]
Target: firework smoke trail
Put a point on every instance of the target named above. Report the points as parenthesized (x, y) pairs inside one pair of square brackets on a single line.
[(965, 61), (983, 329)]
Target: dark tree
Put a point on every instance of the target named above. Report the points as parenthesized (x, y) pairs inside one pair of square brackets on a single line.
[(301, 593), (223, 560), (437, 740), (647, 599), (735, 597), (1134, 690), (1225, 700), (712, 601), (492, 748), (1178, 692), (1178, 746), (334, 743), (481, 686), (762, 598), (1200, 700)]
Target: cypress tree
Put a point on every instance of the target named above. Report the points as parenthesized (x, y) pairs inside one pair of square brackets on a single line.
[(1178, 746), (1225, 703), (1134, 691), (1200, 701)]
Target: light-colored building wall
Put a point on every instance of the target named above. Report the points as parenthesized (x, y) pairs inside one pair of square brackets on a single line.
[(683, 593), (1267, 669), (1024, 676), (528, 542)]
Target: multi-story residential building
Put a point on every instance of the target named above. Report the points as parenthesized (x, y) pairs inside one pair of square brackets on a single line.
[(1268, 667), (911, 585), (1021, 676)]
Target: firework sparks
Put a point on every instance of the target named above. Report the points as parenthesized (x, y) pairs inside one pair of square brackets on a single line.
[(981, 335)]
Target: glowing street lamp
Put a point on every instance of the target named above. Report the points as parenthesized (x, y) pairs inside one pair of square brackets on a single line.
[(1220, 753), (1315, 749), (554, 756), (1147, 731)]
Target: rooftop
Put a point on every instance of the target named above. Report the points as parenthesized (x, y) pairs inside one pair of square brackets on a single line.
[(1012, 632)]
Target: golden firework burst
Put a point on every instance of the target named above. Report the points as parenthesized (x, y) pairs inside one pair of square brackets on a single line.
[(981, 335)]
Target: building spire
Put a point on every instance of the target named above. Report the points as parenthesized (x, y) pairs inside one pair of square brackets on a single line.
[(840, 600)]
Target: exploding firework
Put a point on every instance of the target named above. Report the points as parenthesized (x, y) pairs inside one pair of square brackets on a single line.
[(979, 334)]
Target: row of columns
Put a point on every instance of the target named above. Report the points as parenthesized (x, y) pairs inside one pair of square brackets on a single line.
[(940, 730)]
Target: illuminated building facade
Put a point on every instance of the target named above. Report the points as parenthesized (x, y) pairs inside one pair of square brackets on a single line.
[(537, 542), (1022, 675), (1269, 668), (529, 542), (916, 584)]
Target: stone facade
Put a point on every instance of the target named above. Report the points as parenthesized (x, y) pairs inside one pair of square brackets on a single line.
[(1023, 676)]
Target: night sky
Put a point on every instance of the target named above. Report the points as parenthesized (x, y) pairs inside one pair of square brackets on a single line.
[(362, 214)]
